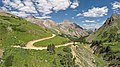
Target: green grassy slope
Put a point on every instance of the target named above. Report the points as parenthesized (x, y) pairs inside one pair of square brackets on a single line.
[(111, 26), (58, 40), (109, 33), (31, 58), (107, 40), (17, 31)]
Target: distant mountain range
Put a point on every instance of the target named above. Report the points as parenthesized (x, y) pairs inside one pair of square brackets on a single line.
[(65, 27)]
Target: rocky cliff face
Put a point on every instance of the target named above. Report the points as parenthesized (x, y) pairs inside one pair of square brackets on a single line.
[(65, 27)]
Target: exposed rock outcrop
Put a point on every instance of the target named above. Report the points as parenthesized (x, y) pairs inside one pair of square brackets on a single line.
[(65, 27)]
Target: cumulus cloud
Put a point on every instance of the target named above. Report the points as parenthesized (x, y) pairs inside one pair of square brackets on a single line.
[(38, 7), (89, 21), (95, 12), (116, 5), (75, 4)]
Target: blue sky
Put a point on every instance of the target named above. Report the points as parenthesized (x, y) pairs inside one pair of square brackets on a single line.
[(89, 14)]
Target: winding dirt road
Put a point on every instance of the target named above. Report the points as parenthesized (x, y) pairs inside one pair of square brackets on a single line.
[(30, 45)]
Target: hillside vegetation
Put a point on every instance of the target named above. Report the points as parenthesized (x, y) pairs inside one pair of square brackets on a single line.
[(14, 57), (17, 31), (106, 41)]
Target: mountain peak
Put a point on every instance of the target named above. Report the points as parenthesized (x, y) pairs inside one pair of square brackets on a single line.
[(67, 22), (32, 17), (111, 24), (115, 16), (66, 27), (111, 20)]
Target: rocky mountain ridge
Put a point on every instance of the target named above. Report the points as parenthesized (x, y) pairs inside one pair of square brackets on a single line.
[(65, 27), (110, 23)]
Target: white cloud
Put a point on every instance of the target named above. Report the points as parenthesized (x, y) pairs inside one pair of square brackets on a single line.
[(116, 11), (44, 17), (79, 14), (42, 7), (95, 12), (91, 26), (75, 4), (89, 21), (116, 5)]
